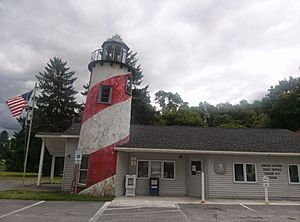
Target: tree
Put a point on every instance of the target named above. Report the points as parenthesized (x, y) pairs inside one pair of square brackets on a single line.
[(184, 116), (169, 100), (85, 90), (56, 104), (4, 143), (142, 112), (282, 104)]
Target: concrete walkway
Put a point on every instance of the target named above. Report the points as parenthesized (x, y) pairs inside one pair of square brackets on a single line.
[(172, 202)]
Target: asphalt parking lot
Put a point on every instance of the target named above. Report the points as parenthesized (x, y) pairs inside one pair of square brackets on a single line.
[(33, 211), (36, 211)]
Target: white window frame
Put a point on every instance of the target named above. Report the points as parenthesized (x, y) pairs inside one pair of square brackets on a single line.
[(288, 169), (131, 80), (163, 168), (100, 94), (149, 169), (86, 170), (245, 173)]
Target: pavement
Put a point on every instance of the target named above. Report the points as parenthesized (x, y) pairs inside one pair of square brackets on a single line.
[(36, 211), (148, 209)]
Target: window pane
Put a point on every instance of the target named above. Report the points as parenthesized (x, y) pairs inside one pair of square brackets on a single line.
[(250, 170), (129, 85), (155, 169), (105, 94), (117, 56), (109, 52), (169, 170), (294, 174), (238, 172), (143, 169), (82, 176), (195, 166), (84, 162)]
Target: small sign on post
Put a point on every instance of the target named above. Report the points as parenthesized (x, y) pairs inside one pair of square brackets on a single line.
[(78, 157), (266, 185)]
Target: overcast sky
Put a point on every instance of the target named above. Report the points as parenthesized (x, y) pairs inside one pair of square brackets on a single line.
[(214, 51)]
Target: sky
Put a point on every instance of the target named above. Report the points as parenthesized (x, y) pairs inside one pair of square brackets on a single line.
[(210, 50)]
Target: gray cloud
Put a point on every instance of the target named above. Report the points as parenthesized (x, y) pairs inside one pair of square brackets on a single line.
[(216, 51)]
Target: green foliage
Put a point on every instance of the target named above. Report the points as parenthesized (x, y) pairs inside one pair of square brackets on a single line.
[(142, 112), (183, 116), (56, 108), (4, 143), (48, 195), (57, 104), (282, 104), (169, 100)]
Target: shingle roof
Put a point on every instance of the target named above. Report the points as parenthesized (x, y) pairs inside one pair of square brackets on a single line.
[(214, 139), (73, 130)]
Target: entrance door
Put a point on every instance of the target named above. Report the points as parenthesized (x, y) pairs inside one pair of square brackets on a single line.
[(194, 177)]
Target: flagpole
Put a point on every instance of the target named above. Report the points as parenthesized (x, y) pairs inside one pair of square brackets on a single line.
[(28, 139)]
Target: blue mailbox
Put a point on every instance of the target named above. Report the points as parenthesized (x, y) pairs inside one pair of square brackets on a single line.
[(154, 186)]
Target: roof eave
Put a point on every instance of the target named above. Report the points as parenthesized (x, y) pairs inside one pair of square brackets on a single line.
[(180, 151), (56, 136)]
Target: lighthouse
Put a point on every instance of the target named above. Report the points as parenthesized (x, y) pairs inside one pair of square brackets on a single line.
[(106, 117)]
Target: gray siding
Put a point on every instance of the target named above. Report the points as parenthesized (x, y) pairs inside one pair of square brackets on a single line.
[(175, 187), (223, 186), (71, 146), (121, 172)]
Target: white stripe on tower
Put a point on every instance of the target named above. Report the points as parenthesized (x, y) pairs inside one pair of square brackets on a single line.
[(105, 128)]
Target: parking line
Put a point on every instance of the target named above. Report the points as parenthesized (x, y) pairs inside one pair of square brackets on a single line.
[(123, 208), (21, 209), (137, 213), (183, 214), (248, 208), (99, 212)]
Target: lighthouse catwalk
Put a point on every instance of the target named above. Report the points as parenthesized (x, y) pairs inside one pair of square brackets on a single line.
[(106, 118)]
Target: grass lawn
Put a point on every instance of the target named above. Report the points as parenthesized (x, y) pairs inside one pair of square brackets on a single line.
[(29, 177), (54, 196), (16, 174)]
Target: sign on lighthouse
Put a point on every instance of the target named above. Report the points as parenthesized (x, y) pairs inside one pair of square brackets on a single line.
[(106, 118)]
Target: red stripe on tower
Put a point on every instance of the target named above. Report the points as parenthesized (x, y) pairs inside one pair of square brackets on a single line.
[(118, 84)]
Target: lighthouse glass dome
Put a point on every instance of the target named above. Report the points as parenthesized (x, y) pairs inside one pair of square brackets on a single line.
[(113, 49)]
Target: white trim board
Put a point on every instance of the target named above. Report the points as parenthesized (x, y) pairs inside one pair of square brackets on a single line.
[(55, 136), (180, 151)]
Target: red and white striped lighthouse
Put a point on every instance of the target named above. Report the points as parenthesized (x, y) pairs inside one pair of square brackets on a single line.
[(106, 118)]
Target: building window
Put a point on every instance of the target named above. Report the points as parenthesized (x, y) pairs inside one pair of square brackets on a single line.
[(244, 172), (128, 85), (156, 169), (105, 94), (294, 173), (169, 170), (83, 170), (143, 169)]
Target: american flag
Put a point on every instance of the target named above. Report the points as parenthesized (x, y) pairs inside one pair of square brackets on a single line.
[(17, 104)]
